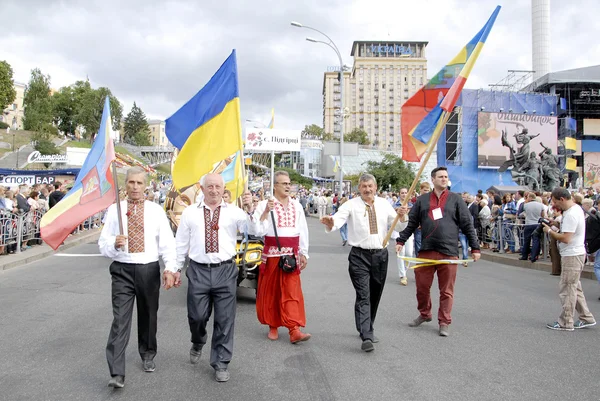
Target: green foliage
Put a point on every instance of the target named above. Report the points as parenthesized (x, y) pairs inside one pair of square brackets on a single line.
[(136, 127), (357, 135), (353, 178), (64, 109), (296, 178), (314, 131), (37, 101), (391, 171), (43, 140), (7, 88), (4, 125), (90, 105)]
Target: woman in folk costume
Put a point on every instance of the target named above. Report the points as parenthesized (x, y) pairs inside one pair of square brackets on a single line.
[(279, 299)]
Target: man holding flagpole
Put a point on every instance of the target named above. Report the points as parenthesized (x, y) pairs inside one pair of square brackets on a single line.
[(135, 272)]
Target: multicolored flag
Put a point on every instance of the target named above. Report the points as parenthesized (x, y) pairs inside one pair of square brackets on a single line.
[(207, 129), (272, 123), (93, 190), (423, 113)]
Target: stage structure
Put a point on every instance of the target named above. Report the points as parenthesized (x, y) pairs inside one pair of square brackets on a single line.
[(478, 154)]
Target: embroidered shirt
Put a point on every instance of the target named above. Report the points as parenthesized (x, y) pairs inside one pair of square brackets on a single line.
[(135, 226)]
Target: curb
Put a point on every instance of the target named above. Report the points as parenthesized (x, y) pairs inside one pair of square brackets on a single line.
[(43, 251)]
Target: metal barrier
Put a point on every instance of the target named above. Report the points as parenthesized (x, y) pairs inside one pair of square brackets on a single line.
[(503, 233), (17, 229)]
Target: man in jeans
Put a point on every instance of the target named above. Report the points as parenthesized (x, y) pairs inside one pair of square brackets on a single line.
[(533, 211), (571, 245)]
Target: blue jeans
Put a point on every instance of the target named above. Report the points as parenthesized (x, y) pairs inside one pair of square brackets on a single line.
[(344, 232), (597, 265), (464, 245), (417, 235), (508, 237), (527, 249)]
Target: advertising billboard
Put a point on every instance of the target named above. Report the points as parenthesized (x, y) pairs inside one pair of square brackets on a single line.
[(502, 137), (591, 170)]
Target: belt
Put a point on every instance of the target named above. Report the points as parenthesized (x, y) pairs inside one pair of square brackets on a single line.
[(368, 250), (218, 264)]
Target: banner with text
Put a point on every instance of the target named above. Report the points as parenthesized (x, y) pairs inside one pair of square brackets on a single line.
[(523, 135), (272, 140)]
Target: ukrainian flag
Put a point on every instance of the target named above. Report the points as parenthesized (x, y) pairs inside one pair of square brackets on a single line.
[(93, 190), (207, 129), (425, 110)]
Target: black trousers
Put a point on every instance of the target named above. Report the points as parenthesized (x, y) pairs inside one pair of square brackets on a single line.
[(368, 271), (210, 287), (132, 282)]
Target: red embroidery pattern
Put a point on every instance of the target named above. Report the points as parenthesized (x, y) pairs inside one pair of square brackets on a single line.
[(135, 226), (286, 217), (211, 230)]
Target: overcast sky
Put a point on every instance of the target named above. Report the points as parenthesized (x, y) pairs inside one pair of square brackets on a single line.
[(160, 53)]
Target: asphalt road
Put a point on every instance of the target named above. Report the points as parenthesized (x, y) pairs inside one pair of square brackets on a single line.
[(56, 315)]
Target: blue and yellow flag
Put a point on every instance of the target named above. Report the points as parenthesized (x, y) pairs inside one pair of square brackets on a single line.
[(207, 129), (93, 190)]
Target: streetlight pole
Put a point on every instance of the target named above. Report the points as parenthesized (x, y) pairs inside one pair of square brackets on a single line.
[(332, 45)]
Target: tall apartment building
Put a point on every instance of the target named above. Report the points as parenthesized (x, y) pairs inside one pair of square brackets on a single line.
[(13, 114), (383, 76)]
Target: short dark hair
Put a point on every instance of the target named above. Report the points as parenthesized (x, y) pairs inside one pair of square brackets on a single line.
[(57, 184), (435, 170), (521, 192), (559, 192)]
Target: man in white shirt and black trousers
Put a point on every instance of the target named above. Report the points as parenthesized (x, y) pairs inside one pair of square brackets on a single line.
[(135, 272), (207, 233), (368, 218)]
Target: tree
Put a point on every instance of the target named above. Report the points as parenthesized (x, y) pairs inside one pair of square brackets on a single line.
[(7, 85), (358, 135), (296, 178), (136, 127), (312, 131), (43, 140), (90, 105), (391, 171), (37, 101), (64, 109)]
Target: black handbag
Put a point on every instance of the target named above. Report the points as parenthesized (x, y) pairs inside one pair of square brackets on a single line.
[(287, 263)]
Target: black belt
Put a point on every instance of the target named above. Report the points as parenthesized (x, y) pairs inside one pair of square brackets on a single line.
[(368, 250), (210, 265)]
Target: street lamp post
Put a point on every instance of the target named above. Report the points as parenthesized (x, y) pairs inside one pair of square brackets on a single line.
[(332, 45)]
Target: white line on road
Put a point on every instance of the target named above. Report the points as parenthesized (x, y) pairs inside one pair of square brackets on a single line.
[(78, 254)]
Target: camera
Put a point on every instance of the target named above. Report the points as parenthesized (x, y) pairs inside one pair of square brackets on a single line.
[(539, 230)]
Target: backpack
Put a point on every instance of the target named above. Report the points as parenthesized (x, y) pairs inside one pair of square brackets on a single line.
[(592, 232)]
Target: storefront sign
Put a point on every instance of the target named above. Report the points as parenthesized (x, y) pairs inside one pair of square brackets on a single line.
[(37, 157), (15, 180)]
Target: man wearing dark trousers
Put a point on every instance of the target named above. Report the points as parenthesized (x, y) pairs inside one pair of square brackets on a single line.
[(441, 214), (207, 233), (368, 219), (135, 272), (532, 210)]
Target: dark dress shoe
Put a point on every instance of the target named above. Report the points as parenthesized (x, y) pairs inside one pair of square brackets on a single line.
[(195, 353), (522, 258), (117, 382), (149, 365)]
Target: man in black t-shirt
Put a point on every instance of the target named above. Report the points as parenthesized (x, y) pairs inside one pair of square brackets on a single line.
[(55, 196)]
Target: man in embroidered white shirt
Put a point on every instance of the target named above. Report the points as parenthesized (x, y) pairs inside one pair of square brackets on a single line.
[(279, 298), (368, 219), (135, 272), (207, 233)]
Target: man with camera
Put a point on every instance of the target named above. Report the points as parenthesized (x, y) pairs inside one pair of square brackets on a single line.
[(534, 213), (571, 244)]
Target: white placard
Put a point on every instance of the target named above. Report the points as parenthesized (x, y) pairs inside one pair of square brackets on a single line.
[(272, 140)]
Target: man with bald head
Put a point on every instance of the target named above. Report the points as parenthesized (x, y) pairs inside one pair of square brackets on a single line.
[(207, 233)]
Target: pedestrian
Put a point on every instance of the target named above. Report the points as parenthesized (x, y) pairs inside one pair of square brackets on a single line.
[(135, 272), (368, 218), (279, 298), (571, 245), (207, 233), (441, 214), (424, 188), (407, 251)]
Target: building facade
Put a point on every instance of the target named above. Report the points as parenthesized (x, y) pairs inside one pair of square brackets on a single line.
[(157, 133), (13, 114), (383, 76)]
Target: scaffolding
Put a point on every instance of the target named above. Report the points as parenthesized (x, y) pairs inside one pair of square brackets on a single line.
[(515, 81)]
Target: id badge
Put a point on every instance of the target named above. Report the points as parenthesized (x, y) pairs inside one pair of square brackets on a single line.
[(437, 213)]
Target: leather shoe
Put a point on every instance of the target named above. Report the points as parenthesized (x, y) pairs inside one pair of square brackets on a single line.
[(117, 382), (297, 336), (273, 334), (418, 321), (195, 353), (149, 365), (222, 375)]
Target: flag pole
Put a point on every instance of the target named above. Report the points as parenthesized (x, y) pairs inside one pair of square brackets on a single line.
[(432, 143), (118, 199)]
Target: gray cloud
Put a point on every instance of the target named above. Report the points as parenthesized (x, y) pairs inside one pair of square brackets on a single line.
[(161, 53)]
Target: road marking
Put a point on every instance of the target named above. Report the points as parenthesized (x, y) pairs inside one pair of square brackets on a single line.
[(78, 254)]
